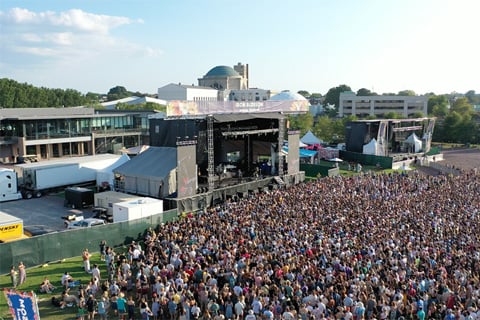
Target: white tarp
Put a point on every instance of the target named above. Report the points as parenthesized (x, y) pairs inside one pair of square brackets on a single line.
[(414, 143), (371, 147), (106, 175)]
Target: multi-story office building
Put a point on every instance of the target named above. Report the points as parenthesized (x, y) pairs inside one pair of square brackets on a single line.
[(252, 94), (363, 106), (45, 133)]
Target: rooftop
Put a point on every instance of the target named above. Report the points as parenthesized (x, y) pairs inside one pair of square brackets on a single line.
[(222, 71)]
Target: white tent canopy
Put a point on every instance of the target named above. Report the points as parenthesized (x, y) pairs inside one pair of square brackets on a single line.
[(371, 148), (134, 150), (310, 138), (414, 142)]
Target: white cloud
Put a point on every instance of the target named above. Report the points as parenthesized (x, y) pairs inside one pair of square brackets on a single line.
[(48, 39), (74, 19)]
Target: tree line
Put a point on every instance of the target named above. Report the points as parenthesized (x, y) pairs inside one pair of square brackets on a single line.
[(14, 94)]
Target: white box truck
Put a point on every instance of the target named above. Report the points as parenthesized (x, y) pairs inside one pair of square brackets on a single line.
[(136, 209)]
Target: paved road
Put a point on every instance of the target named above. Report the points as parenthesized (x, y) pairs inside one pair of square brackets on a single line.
[(465, 159), (47, 210)]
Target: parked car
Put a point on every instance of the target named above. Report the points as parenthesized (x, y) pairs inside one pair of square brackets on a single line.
[(85, 223), (37, 230)]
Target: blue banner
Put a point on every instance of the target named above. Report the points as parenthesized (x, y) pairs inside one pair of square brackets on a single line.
[(23, 305)]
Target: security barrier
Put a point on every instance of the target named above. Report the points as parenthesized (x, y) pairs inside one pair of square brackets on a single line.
[(367, 159), (314, 170), (70, 243)]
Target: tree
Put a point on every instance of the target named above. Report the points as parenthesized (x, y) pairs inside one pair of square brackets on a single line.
[(462, 106), (22, 95), (392, 115), (333, 96), (117, 92), (323, 128), (365, 92), (451, 125), (472, 97), (302, 122), (407, 93), (304, 93), (438, 105), (418, 114), (467, 130)]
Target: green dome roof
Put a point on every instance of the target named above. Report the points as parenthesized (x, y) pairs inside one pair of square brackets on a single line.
[(222, 71)]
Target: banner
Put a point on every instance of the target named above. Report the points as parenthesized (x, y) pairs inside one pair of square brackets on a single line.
[(23, 305), (179, 108)]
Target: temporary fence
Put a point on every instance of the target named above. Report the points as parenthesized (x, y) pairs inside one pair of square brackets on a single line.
[(56, 246), (315, 170), (367, 159)]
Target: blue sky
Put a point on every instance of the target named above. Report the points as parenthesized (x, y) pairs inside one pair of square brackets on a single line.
[(313, 45)]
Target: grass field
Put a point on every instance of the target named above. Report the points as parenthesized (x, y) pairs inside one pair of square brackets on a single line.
[(54, 272)]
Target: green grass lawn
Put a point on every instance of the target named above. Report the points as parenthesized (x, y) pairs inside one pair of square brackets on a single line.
[(54, 272)]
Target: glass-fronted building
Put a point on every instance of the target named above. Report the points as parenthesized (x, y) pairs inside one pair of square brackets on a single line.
[(44, 133)]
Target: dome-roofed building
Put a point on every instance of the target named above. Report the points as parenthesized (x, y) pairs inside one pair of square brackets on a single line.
[(225, 78), (222, 71), (286, 95)]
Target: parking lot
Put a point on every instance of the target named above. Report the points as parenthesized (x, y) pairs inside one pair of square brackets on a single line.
[(47, 210)]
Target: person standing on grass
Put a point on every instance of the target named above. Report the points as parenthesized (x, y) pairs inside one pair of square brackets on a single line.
[(22, 273), (96, 272), (121, 306), (102, 308), (91, 305), (13, 276), (103, 250), (131, 308), (86, 260)]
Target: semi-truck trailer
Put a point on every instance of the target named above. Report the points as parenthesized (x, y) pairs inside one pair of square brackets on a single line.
[(38, 180), (30, 180)]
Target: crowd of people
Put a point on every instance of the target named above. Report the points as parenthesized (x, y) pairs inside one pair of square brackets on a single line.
[(380, 246)]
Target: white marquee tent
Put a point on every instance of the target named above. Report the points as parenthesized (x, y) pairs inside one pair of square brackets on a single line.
[(371, 148), (413, 143), (310, 138)]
